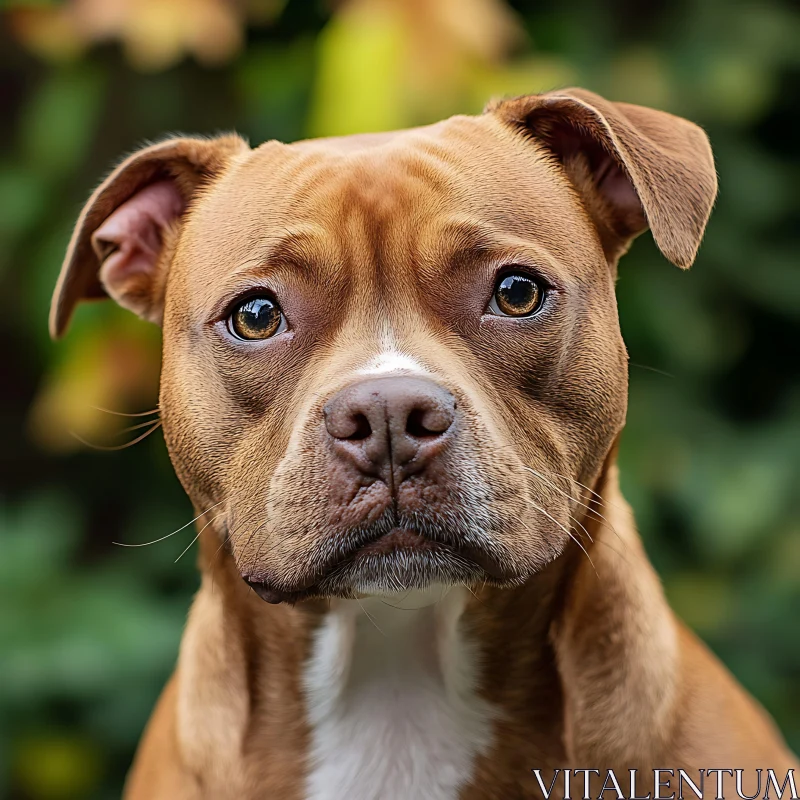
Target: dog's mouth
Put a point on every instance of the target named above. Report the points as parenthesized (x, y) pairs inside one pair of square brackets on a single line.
[(388, 562)]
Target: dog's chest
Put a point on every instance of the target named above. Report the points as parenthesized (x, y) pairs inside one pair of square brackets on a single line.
[(392, 703)]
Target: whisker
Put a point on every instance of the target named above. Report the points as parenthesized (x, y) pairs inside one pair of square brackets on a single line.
[(590, 509), (369, 617), (603, 521), (469, 589), (567, 495), (573, 480), (136, 427), (652, 369), (616, 552), (400, 600), (398, 608), (588, 489), (568, 532), (557, 488), (138, 439), (599, 497), (124, 414), (183, 527), (231, 533), (582, 527), (198, 536)]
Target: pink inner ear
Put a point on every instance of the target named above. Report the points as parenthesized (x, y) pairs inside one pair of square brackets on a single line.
[(617, 187), (134, 232)]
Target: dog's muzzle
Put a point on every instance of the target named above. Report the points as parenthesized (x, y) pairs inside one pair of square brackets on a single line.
[(388, 442)]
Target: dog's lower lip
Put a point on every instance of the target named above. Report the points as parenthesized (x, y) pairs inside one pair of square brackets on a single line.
[(268, 594), (396, 539)]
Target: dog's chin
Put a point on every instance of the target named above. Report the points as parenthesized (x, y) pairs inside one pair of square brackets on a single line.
[(402, 560), (404, 567)]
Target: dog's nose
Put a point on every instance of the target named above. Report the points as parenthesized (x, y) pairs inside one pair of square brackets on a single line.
[(390, 423)]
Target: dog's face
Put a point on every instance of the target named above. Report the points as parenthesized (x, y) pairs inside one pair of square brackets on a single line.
[(394, 359), (377, 360)]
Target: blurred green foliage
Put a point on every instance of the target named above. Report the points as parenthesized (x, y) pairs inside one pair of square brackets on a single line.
[(711, 456)]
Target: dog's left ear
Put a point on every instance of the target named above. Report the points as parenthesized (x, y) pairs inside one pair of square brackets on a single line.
[(125, 235), (634, 167)]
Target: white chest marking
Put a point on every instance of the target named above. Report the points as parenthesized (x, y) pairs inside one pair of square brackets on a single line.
[(391, 700)]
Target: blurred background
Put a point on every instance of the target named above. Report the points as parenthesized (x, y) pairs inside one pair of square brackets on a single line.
[(711, 457)]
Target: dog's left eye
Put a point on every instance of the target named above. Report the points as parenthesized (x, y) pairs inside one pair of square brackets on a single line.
[(256, 318), (516, 294)]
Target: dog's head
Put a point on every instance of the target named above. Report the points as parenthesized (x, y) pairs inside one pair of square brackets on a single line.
[(394, 359)]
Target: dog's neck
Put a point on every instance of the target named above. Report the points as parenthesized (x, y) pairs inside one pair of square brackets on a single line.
[(392, 683), (490, 675)]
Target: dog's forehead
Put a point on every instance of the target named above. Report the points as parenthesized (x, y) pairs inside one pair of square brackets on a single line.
[(355, 195)]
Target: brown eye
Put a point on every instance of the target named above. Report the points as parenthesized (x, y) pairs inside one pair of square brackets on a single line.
[(516, 295), (256, 318)]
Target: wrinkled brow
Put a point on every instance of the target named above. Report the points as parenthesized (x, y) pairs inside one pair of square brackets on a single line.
[(304, 247), (462, 242)]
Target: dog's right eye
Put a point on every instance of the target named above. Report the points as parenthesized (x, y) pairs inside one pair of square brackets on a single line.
[(516, 294), (256, 318)]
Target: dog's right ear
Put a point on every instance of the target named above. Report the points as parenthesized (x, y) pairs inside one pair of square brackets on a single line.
[(125, 236), (634, 167)]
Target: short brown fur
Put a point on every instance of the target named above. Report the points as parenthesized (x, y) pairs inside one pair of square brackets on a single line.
[(398, 237)]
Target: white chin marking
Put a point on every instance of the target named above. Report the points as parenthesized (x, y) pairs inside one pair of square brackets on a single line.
[(414, 599), (391, 695), (392, 361)]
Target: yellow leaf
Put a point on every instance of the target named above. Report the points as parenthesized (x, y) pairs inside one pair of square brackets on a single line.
[(116, 368), (53, 767), (359, 78), (50, 33), (387, 64)]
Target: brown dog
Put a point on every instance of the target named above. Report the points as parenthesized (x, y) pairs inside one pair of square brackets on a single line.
[(393, 383)]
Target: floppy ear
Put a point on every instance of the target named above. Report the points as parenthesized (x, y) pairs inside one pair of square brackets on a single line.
[(125, 235), (634, 167)]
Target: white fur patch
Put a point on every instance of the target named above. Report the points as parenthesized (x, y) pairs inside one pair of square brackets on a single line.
[(392, 361), (391, 698)]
